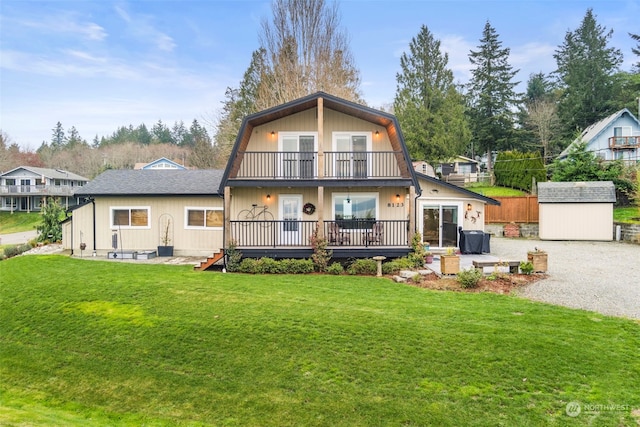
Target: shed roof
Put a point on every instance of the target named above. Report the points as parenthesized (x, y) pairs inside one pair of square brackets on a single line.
[(576, 192), (153, 183), (461, 190)]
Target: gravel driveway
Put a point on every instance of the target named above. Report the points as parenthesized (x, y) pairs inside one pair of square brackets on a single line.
[(597, 276)]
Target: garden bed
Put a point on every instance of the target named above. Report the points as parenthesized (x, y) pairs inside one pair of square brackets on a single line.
[(500, 284)]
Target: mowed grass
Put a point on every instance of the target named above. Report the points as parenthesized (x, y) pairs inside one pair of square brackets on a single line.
[(630, 214), (18, 221), (495, 191), (103, 343)]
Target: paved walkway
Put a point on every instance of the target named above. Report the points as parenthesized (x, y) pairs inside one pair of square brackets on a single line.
[(17, 238)]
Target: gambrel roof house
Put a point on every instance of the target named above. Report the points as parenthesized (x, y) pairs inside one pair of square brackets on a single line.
[(616, 137), (319, 164), (25, 188), (161, 163)]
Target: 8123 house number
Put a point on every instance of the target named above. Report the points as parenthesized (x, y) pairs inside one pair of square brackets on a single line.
[(395, 205)]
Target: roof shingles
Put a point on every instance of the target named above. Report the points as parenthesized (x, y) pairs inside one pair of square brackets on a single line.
[(577, 192)]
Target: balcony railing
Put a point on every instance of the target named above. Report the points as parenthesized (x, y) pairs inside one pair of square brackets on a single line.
[(304, 165), (44, 190), (344, 233), (624, 142)]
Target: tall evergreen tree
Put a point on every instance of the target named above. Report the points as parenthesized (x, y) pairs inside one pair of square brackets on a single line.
[(586, 66), (636, 50), (428, 106), (74, 138), (58, 138), (492, 97)]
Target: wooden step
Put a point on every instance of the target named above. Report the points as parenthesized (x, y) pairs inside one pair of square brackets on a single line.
[(210, 261)]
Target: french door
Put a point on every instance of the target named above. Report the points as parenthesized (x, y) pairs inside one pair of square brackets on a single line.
[(298, 155), (440, 224)]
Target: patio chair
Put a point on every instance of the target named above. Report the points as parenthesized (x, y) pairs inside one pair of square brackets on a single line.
[(375, 235), (337, 236)]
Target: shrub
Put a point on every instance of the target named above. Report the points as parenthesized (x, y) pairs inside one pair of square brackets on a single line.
[(270, 266), (335, 268), (234, 257), (248, 265), (321, 255), (296, 266), (398, 264), (14, 250), (469, 278), (526, 267), (365, 266), (418, 252), (50, 229)]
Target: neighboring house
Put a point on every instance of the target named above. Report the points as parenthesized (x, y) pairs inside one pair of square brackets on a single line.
[(26, 188), (443, 207), (162, 163), (576, 210), (458, 170), (141, 207), (616, 137)]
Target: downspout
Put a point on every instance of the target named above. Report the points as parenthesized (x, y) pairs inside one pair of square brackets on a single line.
[(224, 232), (93, 202)]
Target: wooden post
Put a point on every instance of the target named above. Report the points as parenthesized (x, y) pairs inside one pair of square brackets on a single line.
[(412, 214), (320, 210), (227, 216)]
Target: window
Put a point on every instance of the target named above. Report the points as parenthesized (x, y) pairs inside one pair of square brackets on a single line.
[(204, 218), (355, 211), (130, 217), (298, 154), (351, 153)]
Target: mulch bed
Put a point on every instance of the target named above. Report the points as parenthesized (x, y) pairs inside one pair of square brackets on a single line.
[(501, 284)]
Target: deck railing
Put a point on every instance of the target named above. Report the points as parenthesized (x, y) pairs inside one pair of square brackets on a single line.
[(355, 233), (624, 142), (46, 190), (304, 165)]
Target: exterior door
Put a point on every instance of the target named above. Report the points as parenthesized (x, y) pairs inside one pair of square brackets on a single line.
[(290, 217), (298, 156), (440, 225)]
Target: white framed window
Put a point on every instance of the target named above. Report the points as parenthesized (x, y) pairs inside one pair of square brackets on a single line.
[(355, 210), (351, 158), (203, 218), (298, 154), (130, 217)]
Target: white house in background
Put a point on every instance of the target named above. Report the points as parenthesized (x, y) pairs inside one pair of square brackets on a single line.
[(25, 188), (161, 163), (616, 137)]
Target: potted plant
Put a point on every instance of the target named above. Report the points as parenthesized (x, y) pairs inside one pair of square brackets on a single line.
[(449, 262), (428, 257), (538, 258), (165, 248)]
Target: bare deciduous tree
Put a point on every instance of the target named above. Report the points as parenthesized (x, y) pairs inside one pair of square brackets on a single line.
[(306, 51), (543, 119)]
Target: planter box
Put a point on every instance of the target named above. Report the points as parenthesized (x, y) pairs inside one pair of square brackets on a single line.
[(449, 264), (165, 250), (122, 255), (539, 261), (146, 255)]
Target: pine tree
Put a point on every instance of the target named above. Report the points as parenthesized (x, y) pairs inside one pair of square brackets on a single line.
[(586, 66), (491, 94), (58, 139), (636, 50), (428, 106)]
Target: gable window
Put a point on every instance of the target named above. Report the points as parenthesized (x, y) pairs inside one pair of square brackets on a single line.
[(351, 154), (297, 154), (203, 218), (355, 211), (130, 217)]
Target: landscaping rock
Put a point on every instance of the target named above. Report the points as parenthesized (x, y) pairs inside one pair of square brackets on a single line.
[(408, 274), (399, 279)]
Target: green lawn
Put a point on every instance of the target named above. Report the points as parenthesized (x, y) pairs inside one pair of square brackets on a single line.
[(100, 343), (629, 214), (494, 191), (18, 221)]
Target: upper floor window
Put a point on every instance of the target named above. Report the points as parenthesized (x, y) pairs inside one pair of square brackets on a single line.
[(130, 217), (197, 217), (298, 154)]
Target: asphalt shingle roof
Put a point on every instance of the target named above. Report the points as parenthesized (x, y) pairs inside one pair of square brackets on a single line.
[(50, 173), (154, 182), (576, 192)]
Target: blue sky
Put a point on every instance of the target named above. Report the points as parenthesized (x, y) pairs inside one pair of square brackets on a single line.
[(98, 65)]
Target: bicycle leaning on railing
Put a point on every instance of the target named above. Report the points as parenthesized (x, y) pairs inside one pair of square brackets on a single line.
[(261, 215)]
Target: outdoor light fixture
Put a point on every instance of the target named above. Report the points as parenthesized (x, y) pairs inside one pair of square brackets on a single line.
[(397, 197), (469, 207), (377, 133), (273, 133), (268, 196)]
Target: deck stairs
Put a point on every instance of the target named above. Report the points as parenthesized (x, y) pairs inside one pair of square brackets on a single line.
[(204, 265)]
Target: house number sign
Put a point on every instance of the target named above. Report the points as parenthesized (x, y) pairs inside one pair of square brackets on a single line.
[(395, 205)]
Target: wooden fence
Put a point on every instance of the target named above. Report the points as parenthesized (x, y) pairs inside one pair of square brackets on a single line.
[(513, 209)]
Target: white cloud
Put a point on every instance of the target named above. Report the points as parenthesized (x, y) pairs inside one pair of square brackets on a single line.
[(141, 27), (66, 23)]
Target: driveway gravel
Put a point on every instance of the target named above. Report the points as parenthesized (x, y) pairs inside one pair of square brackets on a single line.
[(598, 276)]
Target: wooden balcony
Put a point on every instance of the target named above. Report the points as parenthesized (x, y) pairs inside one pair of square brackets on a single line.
[(37, 190), (340, 234), (624, 142), (304, 165)]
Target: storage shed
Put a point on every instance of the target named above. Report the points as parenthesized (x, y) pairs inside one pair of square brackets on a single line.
[(576, 210)]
